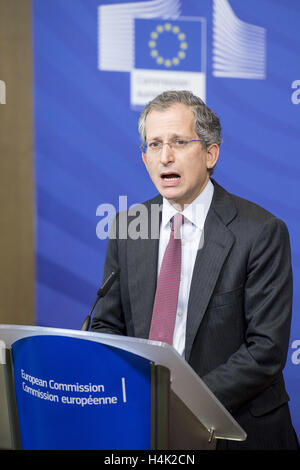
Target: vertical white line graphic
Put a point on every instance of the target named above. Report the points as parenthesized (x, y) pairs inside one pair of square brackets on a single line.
[(116, 30), (2, 92), (124, 390), (239, 48)]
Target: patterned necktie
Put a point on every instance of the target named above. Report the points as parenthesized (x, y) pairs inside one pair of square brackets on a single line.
[(166, 297)]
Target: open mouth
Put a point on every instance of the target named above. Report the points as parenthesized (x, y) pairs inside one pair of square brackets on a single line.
[(170, 178)]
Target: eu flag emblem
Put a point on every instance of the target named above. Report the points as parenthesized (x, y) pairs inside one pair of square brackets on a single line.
[(169, 44), (169, 55)]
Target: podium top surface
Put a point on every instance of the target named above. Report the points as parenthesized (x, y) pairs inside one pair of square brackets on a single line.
[(185, 383)]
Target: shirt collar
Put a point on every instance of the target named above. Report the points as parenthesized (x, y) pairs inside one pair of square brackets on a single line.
[(195, 212)]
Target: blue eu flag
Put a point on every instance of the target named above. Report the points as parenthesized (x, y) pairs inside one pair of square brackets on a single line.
[(162, 44)]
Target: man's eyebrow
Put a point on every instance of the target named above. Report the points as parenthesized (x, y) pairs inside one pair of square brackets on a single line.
[(173, 136), (155, 138)]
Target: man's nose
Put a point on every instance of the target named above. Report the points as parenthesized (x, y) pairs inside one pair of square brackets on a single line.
[(166, 154)]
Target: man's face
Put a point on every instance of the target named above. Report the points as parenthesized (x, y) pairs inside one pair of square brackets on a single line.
[(178, 174)]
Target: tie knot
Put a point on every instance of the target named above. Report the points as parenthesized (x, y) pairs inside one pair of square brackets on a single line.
[(177, 221)]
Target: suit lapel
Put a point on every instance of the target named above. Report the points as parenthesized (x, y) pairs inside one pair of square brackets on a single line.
[(142, 256), (218, 241)]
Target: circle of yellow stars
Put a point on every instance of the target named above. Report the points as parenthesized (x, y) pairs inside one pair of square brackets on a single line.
[(183, 45)]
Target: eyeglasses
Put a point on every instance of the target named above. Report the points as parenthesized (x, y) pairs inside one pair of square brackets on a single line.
[(177, 144)]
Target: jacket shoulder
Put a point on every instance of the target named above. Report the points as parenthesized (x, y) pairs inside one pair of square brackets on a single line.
[(239, 206), (252, 210), (245, 218)]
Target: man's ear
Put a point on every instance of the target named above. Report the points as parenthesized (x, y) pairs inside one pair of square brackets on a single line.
[(212, 155), (144, 157)]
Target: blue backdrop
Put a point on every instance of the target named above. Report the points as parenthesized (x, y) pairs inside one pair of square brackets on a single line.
[(95, 64)]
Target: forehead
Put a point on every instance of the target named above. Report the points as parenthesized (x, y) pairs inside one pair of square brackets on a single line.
[(178, 119)]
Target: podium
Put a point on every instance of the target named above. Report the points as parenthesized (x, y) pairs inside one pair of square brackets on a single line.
[(69, 389)]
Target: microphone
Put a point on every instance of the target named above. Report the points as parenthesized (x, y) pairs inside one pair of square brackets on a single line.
[(101, 293)]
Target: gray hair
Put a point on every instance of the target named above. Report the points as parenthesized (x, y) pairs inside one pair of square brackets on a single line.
[(207, 124)]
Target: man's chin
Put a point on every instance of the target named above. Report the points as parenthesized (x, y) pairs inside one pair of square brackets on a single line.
[(170, 193), (173, 197)]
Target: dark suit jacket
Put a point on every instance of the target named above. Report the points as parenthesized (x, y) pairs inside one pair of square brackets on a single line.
[(239, 309)]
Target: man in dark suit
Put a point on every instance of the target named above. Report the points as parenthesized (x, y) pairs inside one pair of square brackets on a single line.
[(234, 299)]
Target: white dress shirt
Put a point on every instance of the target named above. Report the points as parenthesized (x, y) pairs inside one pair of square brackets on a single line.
[(192, 239)]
